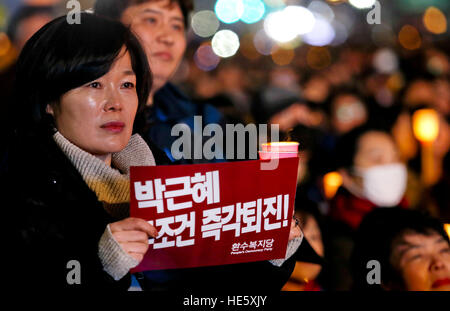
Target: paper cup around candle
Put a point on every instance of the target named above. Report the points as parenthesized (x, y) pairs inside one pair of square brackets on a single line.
[(283, 146), (267, 155)]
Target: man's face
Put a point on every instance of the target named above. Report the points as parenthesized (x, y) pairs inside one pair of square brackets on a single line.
[(424, 262), (159, 25)]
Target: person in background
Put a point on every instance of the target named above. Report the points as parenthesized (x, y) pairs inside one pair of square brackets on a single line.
[(412, 249), (161, 26), (373, 177), (25, 21), (306, 274), (347, 110), (67, 179)]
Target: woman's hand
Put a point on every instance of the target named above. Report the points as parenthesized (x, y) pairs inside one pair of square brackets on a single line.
[(132, 234)]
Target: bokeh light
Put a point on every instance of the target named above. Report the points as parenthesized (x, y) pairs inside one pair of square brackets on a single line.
[(409, 37), (426, 125), (248, 48), (385, 61), (331, 183), (229, 11), (225, 43), (205, 58), (282, 56), (287, 24), (322, 10), (435, 21), (205, 23), (275, 3), (263, 43), (318, 58), (253, 11), (322, 33), (362, 4), (341, 33)]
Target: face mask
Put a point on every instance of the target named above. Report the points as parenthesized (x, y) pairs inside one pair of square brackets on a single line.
[(384, 185)]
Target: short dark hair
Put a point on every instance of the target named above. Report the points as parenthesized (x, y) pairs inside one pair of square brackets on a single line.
[(348, 144), (25, 12), (63, 56), (378, 236), (115, 8)]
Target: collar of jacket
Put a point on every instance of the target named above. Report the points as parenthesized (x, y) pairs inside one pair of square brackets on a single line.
[(170, 103)]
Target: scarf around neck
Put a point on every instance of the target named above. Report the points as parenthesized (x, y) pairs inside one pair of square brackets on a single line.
[(111, 184)]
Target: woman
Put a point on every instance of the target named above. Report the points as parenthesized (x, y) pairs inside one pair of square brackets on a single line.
[(412, 250), (373, 177), (78, 90)]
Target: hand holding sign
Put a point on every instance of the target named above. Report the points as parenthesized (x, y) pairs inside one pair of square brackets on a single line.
[(132, 234)]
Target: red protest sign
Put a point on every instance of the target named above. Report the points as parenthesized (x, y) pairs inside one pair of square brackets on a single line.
[(214, 214)]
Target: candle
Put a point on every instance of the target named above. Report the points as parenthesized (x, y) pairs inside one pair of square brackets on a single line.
[(280, 150), (426, 130)]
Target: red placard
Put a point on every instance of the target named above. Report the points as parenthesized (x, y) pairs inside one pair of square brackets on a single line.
[(214, 214)]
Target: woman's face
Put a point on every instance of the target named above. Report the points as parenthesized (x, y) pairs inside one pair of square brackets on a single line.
[(159, 25), (424, 262), (98, 116), (375, 148)]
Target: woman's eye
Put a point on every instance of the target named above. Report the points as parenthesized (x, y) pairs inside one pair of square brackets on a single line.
[(128, 85), (150, 20), (178, 27), (445, 251), (94, 85)]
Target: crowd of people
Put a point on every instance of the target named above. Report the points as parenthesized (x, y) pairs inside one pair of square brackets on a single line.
[(85, 102)]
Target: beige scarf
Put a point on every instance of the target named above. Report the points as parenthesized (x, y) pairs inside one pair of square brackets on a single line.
[(111, 184)]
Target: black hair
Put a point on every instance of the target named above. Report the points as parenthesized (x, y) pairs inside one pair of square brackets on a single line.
[(115, 8), (348, 144), (376, 239), (63, 56), (25, 12)]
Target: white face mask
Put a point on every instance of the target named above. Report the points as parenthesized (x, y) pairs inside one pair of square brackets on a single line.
[(384, 185)]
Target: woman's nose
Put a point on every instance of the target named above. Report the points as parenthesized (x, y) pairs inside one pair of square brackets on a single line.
[(113, 102), (165, 35), (437, 262)]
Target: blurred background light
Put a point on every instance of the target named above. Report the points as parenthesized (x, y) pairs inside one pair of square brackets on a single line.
[(409, 37), (225, 43), (275, 3), (205, 23), (229, 11), (287, 24), (282, 56), (205, 58), (362, 4), (435, 21), (300, 18), (263, 43), (385, 61), (322, 10), (341, 33), (322, 33), (253, 11)]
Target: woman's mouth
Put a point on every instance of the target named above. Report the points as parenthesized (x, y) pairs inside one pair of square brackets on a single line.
[(441, 282), (114, 127), (165, 56)]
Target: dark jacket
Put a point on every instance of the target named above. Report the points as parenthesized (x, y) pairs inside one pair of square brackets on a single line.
[(53, 218), (171, 107)]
